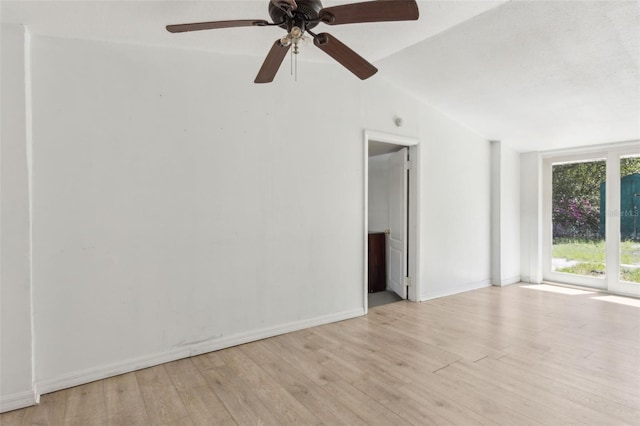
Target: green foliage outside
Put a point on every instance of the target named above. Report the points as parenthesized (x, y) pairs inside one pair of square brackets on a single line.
[(576, 197), (591, 258), (576, 219)]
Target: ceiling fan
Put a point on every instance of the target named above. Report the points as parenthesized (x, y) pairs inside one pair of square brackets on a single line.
[(298, 17)]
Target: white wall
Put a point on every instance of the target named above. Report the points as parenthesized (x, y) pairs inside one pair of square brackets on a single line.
[(179, 208), (16, 382), (505, 214), (455, 207), (177, 203), (510, 215), (531, 217), (379, 193)]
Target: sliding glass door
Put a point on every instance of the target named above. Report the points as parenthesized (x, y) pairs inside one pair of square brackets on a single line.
[(629, 230), (591, 220)]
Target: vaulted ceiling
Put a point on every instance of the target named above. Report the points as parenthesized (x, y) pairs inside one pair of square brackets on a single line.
[(537, 75)]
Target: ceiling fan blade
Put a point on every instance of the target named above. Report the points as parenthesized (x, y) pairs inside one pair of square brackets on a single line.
[(371, 11), (272, 63), (199, 26), (343, 54)]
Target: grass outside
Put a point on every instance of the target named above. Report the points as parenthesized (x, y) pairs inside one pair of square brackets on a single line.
[(590, 256)]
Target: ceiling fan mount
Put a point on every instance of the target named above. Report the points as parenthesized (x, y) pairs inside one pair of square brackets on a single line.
[(298, 17), (305, 16)]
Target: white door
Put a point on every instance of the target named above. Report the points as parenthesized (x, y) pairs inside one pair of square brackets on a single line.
[(398, 198)]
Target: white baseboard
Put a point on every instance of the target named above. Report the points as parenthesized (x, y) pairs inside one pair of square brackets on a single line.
[(91, 375), (17, 400), (251, 336), (509, 281), (454, 290), (530, 280), (98, 373)]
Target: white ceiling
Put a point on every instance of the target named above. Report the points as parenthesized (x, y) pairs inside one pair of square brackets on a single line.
[(144, 22), (535, 74)]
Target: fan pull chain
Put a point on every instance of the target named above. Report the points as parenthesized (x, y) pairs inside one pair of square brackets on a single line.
[(294, 61)]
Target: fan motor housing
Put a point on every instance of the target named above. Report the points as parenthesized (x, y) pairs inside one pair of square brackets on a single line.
[(308, 10)]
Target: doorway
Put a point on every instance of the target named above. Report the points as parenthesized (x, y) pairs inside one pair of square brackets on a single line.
[(391, 226), (592, 204)]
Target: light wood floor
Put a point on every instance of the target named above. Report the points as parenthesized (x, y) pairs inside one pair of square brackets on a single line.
[(510, 356)]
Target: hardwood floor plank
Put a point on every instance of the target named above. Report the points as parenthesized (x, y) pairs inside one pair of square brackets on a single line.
[(122, 419), (285, 408), (552, 371), (13, 418), (161, 399), (87, 421), (86, 405), (488, 400), (123, 400), (427, 393), (524, 397), (184, 374), (204, 406), (208, 360), (294, 352), (495, 356), (260, 353), (417, 413), (316, 398), (371, 411), (238, 397), (582, 405), (394, 345), (50, 411)]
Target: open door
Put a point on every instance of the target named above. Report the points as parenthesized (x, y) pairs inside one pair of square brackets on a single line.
[(398, 197)]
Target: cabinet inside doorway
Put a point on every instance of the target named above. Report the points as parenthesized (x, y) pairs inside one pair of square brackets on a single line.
[(377, 262)]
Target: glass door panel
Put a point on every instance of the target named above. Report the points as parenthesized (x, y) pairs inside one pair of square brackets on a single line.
[(578, 222), (629, 220)]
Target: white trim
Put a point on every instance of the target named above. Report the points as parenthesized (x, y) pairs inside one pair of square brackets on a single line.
[(92, 374), (611, 154), (372, 135), (28, 92), (496, 213), (365, 251), (455, 290), (547, 235), (98, 373), (251, 336), (613, 261), (509, 281), (17, 400), (587, 150), (612, 224), (414, 208)]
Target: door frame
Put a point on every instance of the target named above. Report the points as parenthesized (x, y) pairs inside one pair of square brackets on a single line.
[(413, 231), (547, 238), (611, 153)]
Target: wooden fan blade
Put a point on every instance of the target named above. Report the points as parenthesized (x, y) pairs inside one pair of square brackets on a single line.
[(371, 11), (343, 54), (272, 63), (199, 26)]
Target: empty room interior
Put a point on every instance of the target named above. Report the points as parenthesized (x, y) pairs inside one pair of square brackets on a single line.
[(387, 212)]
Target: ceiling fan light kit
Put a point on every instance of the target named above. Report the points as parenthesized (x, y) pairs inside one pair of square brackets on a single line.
[(299, 17)]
